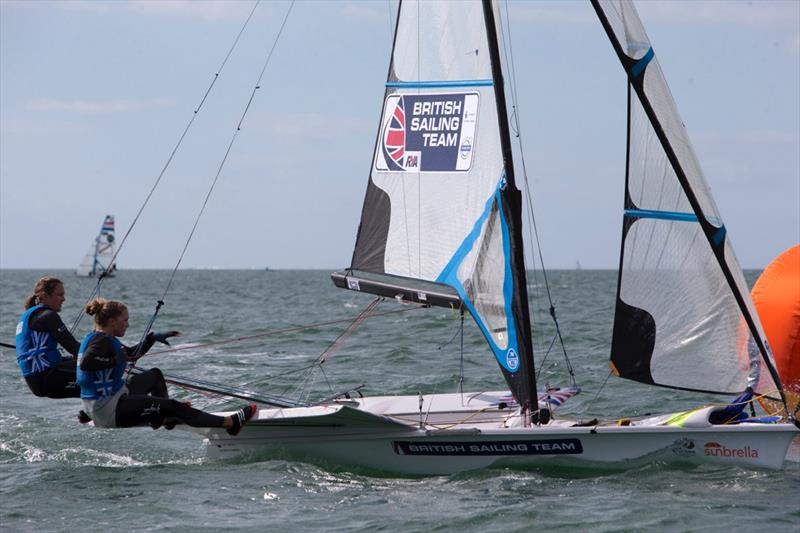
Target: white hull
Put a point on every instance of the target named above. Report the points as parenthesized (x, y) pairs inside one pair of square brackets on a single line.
[(384, 434)]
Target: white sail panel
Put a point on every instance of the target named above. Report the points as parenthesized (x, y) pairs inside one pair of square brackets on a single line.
[(484, 274), (670, 272), (441, 40), (86, 265), (437, 202), (630, 34), (683, 303)]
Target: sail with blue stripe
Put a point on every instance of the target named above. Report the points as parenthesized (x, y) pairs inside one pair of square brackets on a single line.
[(441, 205), (683, 317)]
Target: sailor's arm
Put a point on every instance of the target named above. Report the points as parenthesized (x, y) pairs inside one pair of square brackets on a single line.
[(151, 338), (48, 320), (100, 354), (140, 348)]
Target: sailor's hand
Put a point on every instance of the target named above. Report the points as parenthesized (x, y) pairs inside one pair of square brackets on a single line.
[(162, 337)]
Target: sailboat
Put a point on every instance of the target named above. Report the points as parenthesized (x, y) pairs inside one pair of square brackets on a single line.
[(97, 260), (442, 226)]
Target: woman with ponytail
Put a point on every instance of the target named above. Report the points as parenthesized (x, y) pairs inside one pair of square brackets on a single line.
[(142, 399), (39, 332)]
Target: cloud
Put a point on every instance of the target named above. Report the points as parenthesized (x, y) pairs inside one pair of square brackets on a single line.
[(768, 15), (778, 16), (206, 9), (748, 138), (792, 45), (97, 107), (290, 127), (376, 13), (569, 14)]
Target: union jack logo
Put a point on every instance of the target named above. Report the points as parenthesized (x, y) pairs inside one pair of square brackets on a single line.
[(104, 382), (394, 138), (556, 397), (36, 357), (108, 225)]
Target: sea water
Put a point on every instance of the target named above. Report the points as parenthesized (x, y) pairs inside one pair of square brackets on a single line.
[(56, 474)]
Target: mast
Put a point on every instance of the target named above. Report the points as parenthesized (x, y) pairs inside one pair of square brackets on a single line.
[(512, 201), (96, 251)]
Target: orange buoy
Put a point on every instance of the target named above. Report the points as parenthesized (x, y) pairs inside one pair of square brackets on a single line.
[(776, 296)]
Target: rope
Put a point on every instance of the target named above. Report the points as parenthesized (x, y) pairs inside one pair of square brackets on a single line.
[(596, 395), (277, 332), (163, 169), (218, 173), (509, 52), (349, 331), (415, 421)]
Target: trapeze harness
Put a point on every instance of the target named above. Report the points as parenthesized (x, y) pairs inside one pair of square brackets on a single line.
[(101, 389), (39, 332)]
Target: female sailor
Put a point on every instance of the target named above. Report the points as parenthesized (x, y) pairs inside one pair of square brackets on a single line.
[(111, 400), (39, 332)]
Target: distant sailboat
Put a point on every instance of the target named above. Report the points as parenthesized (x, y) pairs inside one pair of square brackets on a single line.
[(98, 259)]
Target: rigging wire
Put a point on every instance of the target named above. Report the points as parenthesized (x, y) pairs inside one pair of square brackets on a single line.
[(160, 302), (509, 52), (596, 396), (309, 369), (349, 331), (461, 360), (103, 275), (303, 390), (292, 329)]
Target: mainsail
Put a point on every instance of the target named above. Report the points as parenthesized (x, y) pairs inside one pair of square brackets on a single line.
[(98, 259), (441, 220), (683, 306)]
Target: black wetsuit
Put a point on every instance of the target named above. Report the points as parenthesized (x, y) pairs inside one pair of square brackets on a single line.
[(59, 381), (147, 401)]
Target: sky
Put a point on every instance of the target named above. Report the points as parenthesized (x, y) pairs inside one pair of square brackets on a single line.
[(95, 95)]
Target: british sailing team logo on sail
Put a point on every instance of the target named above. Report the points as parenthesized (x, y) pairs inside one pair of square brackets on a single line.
[(428, 133)]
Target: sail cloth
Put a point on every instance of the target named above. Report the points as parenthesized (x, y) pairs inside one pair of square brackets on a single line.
[(440, 204), (683, 306), (98, 259)]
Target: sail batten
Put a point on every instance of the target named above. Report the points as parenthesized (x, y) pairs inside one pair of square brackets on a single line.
[(404, 289), (665, 215), (438, 84)]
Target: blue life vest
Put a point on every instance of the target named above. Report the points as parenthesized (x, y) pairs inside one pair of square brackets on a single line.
[(37, 351), (96, 384)]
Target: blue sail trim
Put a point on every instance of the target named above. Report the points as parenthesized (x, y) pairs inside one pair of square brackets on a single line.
[(438, 84), (508, 358), (640, 65), (663, 215), (719, 235)]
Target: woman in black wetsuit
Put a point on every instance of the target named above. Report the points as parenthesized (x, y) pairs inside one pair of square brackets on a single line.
[(39, 333), (112, 400)]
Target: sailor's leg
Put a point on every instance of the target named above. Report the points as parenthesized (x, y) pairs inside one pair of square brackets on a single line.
[(60, 381), (142, 410), (148, 382)]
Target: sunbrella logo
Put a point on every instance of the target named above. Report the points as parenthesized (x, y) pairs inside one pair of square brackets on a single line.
[(715, 449)]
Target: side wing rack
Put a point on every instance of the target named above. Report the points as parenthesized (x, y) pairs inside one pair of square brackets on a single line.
[(404, 289)]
